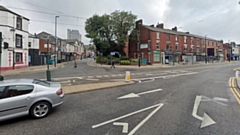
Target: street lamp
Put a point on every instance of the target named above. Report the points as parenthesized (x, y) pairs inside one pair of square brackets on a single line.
[(205, 50), (48, 72), (55, 41)]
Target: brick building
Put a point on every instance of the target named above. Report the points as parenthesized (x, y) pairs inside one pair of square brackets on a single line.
[(160, 45)]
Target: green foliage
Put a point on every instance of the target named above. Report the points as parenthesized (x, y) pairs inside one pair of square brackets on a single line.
[(134, 60), (125, 62), (100, 59), (124, 58), (110, 30)]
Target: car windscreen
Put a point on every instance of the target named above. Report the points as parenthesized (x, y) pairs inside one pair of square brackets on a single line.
[(41, 82)]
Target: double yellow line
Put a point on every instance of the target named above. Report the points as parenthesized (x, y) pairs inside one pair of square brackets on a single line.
[(233, 89)]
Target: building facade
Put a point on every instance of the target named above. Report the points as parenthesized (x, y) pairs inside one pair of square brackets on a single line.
[(166, 46), (14, 29), (74, 34)]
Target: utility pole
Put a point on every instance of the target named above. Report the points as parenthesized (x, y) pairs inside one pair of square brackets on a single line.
[(56, 40), (1, 77), (205, 50), (48, 72)]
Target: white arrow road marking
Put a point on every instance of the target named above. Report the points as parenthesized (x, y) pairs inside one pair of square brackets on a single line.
[(216, 100), (92, 79), (125, 126), (144, 120), (206, 120), (127, 115), (133, 95)]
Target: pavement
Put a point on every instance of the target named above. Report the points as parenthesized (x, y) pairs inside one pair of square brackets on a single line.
[(201, 103), (94, 64), (32, 69)]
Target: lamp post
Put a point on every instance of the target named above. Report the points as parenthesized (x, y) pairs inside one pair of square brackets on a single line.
[(205, 50), (48, 72), (55, 63), (1, 77)]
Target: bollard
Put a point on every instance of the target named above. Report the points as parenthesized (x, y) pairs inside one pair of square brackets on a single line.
[(127, 78), (237, 74)]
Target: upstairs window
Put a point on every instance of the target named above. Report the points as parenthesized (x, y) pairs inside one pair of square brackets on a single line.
[(18, 41), (19, 23), (185, 39), (157, 35), (168, 37), (157, 44), (168, 46)]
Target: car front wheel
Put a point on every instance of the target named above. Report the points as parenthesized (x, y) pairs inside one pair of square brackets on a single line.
[(40, 110)]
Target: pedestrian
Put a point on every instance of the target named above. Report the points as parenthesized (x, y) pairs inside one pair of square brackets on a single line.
[(113, 64)]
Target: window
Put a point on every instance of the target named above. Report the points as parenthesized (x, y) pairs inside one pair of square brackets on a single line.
[(212, 43), (135, 55), (19, 23), (176, 38), (18, 57), (192, 41), (192, 48), (149, 56), (1, 91), (198, 49), (197, 42), (149, 44), (176, 47), (157, 35), (29, 44), (142, 55), (168, 46), (168, 37), (185, 39), (17, 90), (18, 41), (185, 47), (158, 44), (40, 82)]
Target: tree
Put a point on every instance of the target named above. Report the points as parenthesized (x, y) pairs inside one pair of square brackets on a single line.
[(110, 32)]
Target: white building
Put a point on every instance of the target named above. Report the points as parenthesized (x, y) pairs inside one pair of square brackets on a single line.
[(14, 29), (74, 34)]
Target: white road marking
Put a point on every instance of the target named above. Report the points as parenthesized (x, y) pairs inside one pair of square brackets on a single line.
[(99, 76), (158, 74), (132, 73), (113, 75), (64, 78), (93, 79), (215, 99), (73, 80), (89, 76), (146, 119), (127, 115), (68, 81), (125, 126), (206, 120), (142, 81), (220, 99), (120, 74), (138, 73), (133, 95), (106, 75)]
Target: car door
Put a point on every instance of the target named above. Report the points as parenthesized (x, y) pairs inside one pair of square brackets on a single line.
[(16, 100)]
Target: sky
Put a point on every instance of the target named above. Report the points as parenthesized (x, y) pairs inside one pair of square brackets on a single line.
[(218, 19)]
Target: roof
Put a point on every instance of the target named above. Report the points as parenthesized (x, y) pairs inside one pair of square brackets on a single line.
[(2, 8), (16, 81), (175, 32), (71, 40)]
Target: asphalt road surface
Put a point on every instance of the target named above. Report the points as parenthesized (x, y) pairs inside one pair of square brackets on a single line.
[(199, 103)]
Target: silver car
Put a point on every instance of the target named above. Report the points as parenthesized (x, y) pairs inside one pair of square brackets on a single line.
[(33, 97)]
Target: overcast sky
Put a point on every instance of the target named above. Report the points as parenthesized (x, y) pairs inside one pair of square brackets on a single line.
[(218, 19)]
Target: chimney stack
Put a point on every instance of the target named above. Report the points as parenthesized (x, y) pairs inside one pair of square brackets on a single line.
[(138, 23), (152, 25), (160, 25), (175, 28)]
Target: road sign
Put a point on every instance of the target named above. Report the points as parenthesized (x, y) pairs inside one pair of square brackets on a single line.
[(143, 46), (112, 53)]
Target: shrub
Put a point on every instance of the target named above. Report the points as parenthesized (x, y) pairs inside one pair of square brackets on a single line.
[(134, 60), (100, 59), (124, 58), (125, 62)]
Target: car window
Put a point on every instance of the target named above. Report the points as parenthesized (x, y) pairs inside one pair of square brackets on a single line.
[(1, 91), (40, 82), (16, 90)]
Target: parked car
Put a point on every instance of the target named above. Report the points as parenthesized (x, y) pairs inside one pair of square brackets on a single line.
[(33, 97)]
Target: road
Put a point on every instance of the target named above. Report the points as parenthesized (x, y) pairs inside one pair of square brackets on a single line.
[(199, 103)]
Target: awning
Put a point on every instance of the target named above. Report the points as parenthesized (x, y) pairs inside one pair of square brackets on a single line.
[(78, 53)]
